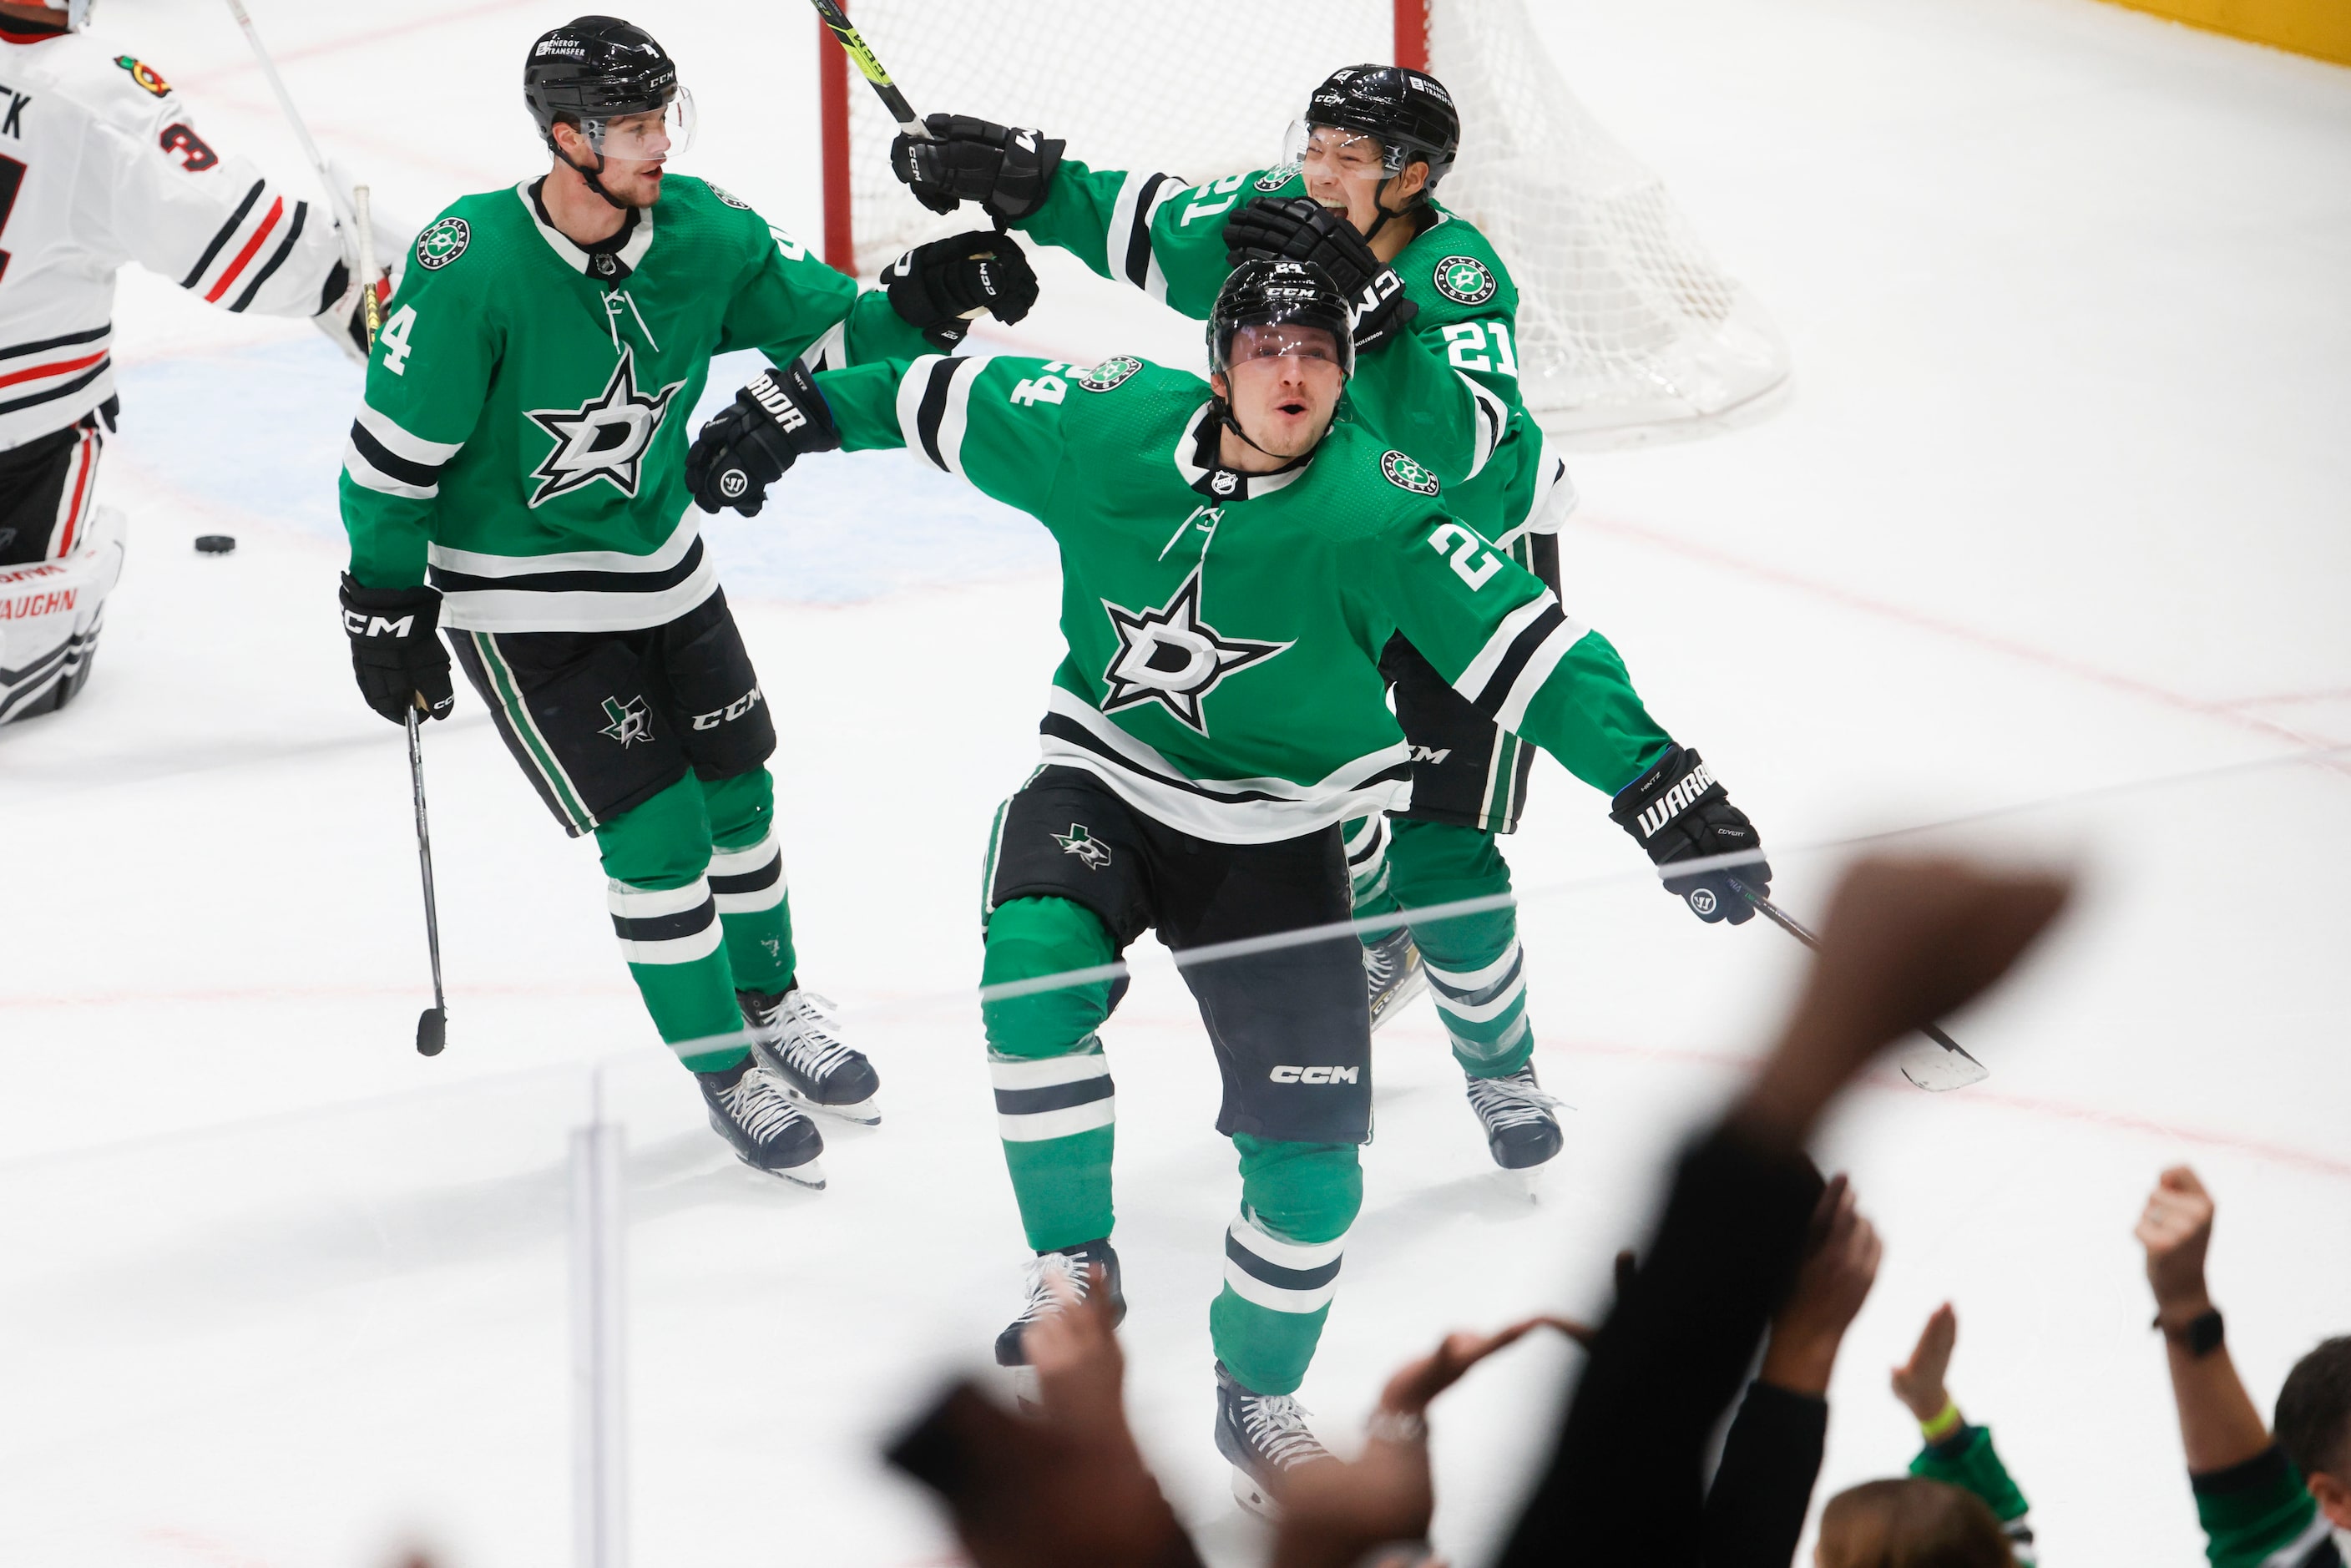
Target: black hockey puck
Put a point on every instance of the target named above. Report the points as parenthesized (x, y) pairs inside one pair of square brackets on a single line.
[(215, 544)]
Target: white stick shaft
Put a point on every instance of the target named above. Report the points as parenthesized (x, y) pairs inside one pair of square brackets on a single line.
[(335, 198), (599, 1351)]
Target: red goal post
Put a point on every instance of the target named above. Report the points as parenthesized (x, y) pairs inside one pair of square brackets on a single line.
[(1627, 328)]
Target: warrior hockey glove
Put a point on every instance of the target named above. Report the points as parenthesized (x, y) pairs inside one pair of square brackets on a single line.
[(1299, 228), (396, 651), (936, 288), (1676, 811), (759, 436), (1006, 170)]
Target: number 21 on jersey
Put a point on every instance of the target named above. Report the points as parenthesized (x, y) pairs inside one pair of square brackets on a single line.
[(1464, 346)]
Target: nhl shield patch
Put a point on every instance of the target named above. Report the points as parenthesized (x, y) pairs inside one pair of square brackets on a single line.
[(1405, 474), (1110, 374), (442, 244), (1465, 280)]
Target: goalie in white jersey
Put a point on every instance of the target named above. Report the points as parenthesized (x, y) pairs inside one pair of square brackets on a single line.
[(101, 165)]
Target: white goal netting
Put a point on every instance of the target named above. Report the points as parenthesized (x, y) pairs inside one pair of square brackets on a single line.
[(1626, 324)]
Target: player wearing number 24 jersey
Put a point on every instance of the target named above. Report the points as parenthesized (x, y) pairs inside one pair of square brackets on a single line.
[(1232, 565)]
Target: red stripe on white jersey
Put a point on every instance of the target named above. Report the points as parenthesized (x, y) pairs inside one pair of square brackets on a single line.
[(54, 368), (276, 211)]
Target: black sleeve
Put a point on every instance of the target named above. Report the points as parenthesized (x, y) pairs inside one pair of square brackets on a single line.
[(1763, 1487), (1624, 1479)]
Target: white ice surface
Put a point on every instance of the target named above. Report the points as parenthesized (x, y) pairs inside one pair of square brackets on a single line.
[(2059, 509)]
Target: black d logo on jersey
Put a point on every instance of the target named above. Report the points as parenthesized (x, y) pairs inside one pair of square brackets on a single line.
[(605, 438), (1170, 656)]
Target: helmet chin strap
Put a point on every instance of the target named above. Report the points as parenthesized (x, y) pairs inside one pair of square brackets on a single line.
[(590, 177), (1226, 418)]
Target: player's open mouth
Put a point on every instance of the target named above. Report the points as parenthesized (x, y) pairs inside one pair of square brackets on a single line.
[(1292, 407)]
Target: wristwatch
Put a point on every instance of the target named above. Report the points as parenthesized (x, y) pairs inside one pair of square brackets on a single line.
[(2201, 1333)]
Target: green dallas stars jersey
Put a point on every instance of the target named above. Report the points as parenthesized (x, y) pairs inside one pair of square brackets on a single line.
[(1224, 630), (1447, 391), (524, 426)]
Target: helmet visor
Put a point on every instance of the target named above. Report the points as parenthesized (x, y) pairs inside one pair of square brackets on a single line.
[(1283, 341), (663, 133), (1328, 152)]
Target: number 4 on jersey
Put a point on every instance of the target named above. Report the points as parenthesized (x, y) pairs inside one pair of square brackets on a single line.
[(393, 340)]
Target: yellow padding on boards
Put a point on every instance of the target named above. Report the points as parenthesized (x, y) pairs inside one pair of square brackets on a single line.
[(2320, 29)]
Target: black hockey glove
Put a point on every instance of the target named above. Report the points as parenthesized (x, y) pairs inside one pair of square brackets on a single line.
[(936, 288), (1006, 170), (1299, 228), (750, 443), (396, 650), (1676, 811)]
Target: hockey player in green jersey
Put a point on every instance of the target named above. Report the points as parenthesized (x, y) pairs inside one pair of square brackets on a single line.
[(1435, 314), (516, 472), (1232, 565)]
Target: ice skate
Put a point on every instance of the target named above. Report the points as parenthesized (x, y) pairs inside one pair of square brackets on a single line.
[(1073, 1265), (793, 1034), (1264, 1437), (1522, 1125), (1393, 974), (767, 1131)]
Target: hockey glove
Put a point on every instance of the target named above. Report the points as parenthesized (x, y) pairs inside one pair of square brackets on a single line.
[(937, 287), (396, 651), (345, 318), (759, 436), (1006, 170), (1676, 811), (1299, 228)]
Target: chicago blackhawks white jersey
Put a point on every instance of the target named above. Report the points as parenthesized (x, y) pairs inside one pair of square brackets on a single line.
[(100, 164)]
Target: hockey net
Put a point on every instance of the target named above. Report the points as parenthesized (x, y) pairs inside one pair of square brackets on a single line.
[(1626, 326)]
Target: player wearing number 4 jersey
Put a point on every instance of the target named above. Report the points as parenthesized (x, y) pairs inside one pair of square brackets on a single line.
[(1438, 379), (1231, 567), (101, 165), (518, 470)]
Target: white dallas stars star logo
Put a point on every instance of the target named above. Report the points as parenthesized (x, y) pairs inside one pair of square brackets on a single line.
[(1170, 656), (605, 438)]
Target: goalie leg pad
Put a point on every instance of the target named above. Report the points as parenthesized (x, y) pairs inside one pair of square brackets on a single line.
[(50, 615)]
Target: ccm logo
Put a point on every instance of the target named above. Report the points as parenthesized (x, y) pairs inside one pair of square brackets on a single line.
[(1316, 1074), (1676, 801), (730, 713), (359, 625)]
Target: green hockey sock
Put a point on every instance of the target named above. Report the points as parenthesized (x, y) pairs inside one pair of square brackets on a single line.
[(1281, 1258), (1476, 972), (655, 853), (748, 882), (1367, 874), (1055, 1107)]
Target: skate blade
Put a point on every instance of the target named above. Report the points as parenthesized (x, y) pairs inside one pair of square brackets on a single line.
[(1527, 1181), (809, 1174), (1027, 1395), (865, 1113), (1253, 1498), (1937, 1070)]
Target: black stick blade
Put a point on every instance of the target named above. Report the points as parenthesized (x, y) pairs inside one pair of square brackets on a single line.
[(432, 1031)]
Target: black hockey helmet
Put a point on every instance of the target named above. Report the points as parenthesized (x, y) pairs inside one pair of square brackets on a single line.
[(594, 69), (1274, 293), (1408, 110)]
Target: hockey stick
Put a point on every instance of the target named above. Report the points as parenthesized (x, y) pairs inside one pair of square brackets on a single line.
[(432, 1023), (335, 198), (1933, 1071), (860, 55)]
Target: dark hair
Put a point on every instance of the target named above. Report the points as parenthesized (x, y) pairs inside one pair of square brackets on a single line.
[(2314, 1411), (1910, 1523)]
